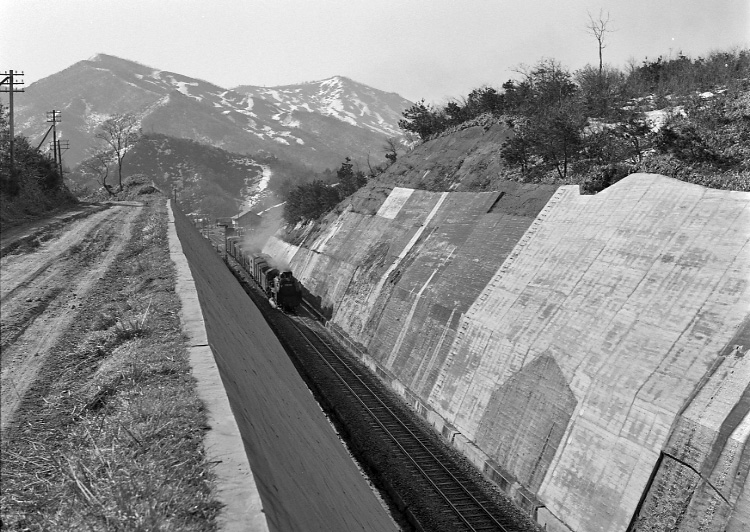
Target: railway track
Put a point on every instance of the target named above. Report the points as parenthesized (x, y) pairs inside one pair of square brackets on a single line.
[(443, 485), (470, 505)]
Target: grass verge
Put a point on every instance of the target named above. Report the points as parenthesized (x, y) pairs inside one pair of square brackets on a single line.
[(110, 437)]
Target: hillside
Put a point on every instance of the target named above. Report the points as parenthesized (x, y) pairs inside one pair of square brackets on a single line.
[(206, 179), (682, 117), (33, 186)]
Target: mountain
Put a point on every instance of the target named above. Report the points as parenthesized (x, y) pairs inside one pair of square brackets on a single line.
[(338, 97), (315, 124)]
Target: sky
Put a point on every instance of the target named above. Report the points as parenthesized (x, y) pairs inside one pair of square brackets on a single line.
[(436, 50)]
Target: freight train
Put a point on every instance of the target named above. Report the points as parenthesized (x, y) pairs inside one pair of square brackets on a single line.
[(279, 285)]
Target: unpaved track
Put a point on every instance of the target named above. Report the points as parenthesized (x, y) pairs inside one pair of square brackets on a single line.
[(41, 291)]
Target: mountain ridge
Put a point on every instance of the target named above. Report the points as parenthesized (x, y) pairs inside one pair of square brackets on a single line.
[(316, 124)]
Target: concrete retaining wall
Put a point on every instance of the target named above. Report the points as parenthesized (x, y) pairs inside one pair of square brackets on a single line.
[(567, 350), (305, 477)]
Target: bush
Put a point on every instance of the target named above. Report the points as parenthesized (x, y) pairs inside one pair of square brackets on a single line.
[(310, 201)]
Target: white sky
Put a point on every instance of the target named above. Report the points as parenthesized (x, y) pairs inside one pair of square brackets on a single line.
[(432, 49)]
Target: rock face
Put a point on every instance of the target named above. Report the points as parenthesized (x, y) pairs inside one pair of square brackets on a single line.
[(589, 354)]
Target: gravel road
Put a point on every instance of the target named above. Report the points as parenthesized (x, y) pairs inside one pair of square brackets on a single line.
[(49, 271)]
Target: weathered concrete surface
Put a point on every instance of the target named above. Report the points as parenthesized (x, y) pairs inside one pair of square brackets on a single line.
[(562, 356), (707, 452), (305, 477), (633, 293)]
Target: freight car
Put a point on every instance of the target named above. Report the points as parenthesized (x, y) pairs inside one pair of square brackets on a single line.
[(279, 285)]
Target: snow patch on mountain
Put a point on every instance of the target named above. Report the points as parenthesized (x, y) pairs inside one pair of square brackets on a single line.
[(93, 119)]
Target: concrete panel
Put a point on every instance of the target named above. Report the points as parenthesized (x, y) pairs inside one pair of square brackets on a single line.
[(392, 205), (440, 280), (613, 308), (633, 292), (525, 420), (709, 445), (305, 477)]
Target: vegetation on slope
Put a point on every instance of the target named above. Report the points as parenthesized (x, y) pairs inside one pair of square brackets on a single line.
[(684, 118), (308, 201), (593, 127), (33, 186)]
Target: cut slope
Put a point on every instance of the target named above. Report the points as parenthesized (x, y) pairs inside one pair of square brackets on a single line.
[(562, 353), (633, 293)]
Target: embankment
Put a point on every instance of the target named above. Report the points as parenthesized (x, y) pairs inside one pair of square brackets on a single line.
[(306, 479), (588, 356)]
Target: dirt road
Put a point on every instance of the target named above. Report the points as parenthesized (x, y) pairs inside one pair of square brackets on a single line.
[(42, 285)]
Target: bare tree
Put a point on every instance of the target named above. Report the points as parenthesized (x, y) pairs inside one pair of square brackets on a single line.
[(598, 28), (391, 149), (118, 134), (98, 165)]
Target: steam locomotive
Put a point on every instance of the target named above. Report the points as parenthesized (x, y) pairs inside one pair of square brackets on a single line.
[(279, 285)]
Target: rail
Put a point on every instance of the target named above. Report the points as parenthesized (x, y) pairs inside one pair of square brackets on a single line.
[(461, 498)]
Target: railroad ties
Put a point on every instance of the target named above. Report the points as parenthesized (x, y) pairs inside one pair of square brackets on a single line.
[(457, 501), (474, 509)]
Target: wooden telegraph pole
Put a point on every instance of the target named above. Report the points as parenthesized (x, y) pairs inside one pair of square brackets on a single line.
[(10, 80), (53, 117)]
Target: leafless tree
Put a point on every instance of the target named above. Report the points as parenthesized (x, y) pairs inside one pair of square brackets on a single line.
[(391, 149), (599, 28), (119, 133), (98, 165)]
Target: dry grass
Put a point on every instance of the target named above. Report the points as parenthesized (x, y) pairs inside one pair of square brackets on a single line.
[(111, 436)]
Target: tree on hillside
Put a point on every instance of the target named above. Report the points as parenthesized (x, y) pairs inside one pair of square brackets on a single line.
[(118, 134), (8, 182), (558, 135), (310, 201), (517, 150), (546, 85), (552, 121), (391, 149), (98, 166), (349, 180), (602, 92), (598, 28), (422, 119), (484, 100)]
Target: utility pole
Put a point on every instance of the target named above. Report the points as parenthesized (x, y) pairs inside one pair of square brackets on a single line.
[(54, 117), (61, 145), (10, 80)]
